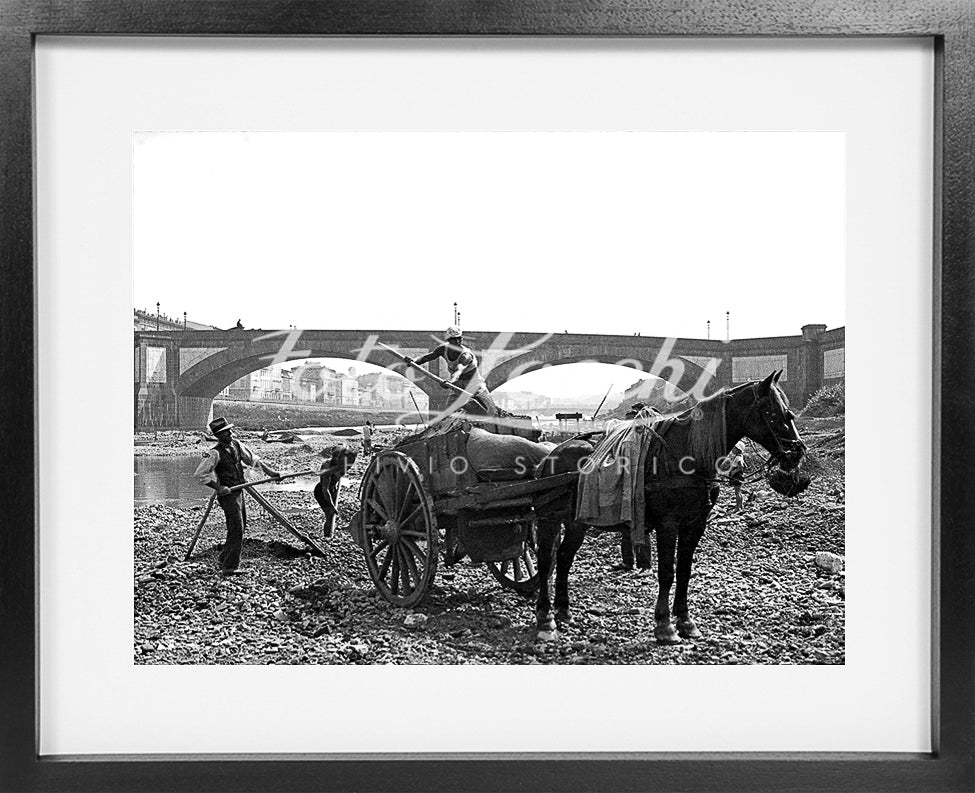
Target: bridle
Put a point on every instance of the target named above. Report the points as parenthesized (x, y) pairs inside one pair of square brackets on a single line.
[(784, 448)]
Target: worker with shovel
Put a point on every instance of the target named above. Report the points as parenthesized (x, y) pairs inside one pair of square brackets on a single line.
[(222, 468)]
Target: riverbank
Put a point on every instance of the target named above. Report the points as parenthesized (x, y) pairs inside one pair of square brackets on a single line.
[(757, 592), (260, 416)]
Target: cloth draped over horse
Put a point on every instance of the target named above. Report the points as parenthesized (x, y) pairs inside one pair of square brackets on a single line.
[(634, 455), (679, 457)]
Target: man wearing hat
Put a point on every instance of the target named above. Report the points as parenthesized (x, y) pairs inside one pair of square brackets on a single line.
[(222, 468), (462, 365)]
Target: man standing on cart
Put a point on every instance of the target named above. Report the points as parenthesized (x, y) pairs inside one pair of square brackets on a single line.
[(462, 365), (221, 469)]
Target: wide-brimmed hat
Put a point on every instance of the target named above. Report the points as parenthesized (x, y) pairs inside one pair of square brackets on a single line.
[(219, 425)]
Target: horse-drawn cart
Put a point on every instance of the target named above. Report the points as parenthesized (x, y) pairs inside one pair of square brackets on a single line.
[(425, 498)]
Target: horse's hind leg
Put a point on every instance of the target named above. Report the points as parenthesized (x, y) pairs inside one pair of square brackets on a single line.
[(688, 538), (547, 534), (575, 533), (663, 630)]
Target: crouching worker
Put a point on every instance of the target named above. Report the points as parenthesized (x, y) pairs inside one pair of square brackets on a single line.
[(335, 465), (221, 469)]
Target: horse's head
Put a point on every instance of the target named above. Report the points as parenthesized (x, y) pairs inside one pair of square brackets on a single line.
[(765, 417)]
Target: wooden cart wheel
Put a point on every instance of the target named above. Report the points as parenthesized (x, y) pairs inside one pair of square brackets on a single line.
[(519, 574), (399, 526)]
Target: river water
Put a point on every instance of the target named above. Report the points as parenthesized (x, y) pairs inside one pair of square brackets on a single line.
[(169, 480)]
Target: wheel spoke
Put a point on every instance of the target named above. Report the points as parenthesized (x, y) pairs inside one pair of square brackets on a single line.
[(394, 573), (400, 527), (380, 509), (401, 486), (414, 554), (384, 568), (419, 535), (529, 564), (516, 562), (375, 551), (410, 497), (387, 489), (406, 559), (408, 509), (409, 518)]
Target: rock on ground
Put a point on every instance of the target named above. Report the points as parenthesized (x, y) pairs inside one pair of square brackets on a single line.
[(757, 593)]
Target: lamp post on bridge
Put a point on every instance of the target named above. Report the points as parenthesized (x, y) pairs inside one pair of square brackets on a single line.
[(157, 315), (184, 320)]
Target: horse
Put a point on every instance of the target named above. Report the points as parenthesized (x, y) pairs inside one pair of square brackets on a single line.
[(681, 464)]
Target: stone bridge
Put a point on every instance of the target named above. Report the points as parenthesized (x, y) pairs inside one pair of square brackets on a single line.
[(178, 373)]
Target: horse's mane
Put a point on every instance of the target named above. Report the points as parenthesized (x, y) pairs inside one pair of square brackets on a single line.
[(707, 429)]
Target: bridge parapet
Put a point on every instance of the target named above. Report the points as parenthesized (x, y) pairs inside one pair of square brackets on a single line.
[(178, 373)]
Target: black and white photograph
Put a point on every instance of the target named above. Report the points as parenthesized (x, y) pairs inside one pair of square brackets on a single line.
[(492, 397), (517, 397)]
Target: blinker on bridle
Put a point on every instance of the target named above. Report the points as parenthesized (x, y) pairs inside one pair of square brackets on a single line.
[(783, 447)]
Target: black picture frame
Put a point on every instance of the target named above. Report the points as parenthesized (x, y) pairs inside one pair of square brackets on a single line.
[(950, 24)]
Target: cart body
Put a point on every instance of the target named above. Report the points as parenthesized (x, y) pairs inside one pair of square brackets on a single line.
[(424, 498)]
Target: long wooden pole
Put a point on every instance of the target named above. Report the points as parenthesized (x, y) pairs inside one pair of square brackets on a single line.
[(601, 403), (272, 479), (418, 413), (199, 526), (427, 373), (432, 376), (283, 520), (213, 497)]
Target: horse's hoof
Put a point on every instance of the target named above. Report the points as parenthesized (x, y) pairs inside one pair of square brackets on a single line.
[(547, 636), (564, 617), (546, 623), (665, 633), (688, 629)]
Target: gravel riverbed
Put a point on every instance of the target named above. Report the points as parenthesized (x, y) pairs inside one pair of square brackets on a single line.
[(758, 594)]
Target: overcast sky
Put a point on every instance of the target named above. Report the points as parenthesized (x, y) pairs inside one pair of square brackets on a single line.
[(596, 232)]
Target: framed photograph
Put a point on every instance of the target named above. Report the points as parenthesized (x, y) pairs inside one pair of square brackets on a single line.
[(518, 398)]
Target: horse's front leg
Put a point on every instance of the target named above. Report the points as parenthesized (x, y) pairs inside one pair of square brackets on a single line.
[(688, 538), (575, 533), (663, 630), (547, 536)]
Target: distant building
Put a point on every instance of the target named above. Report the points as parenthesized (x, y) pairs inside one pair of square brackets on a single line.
[(266, 383), (315, 382), (312, 380), (520, 401), (350, 389), (287, 387), (390, 391), (371, 391), (239, 389)]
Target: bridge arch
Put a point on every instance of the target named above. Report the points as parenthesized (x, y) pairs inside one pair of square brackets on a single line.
[(210, 376), (545, 357), (195, 388)]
